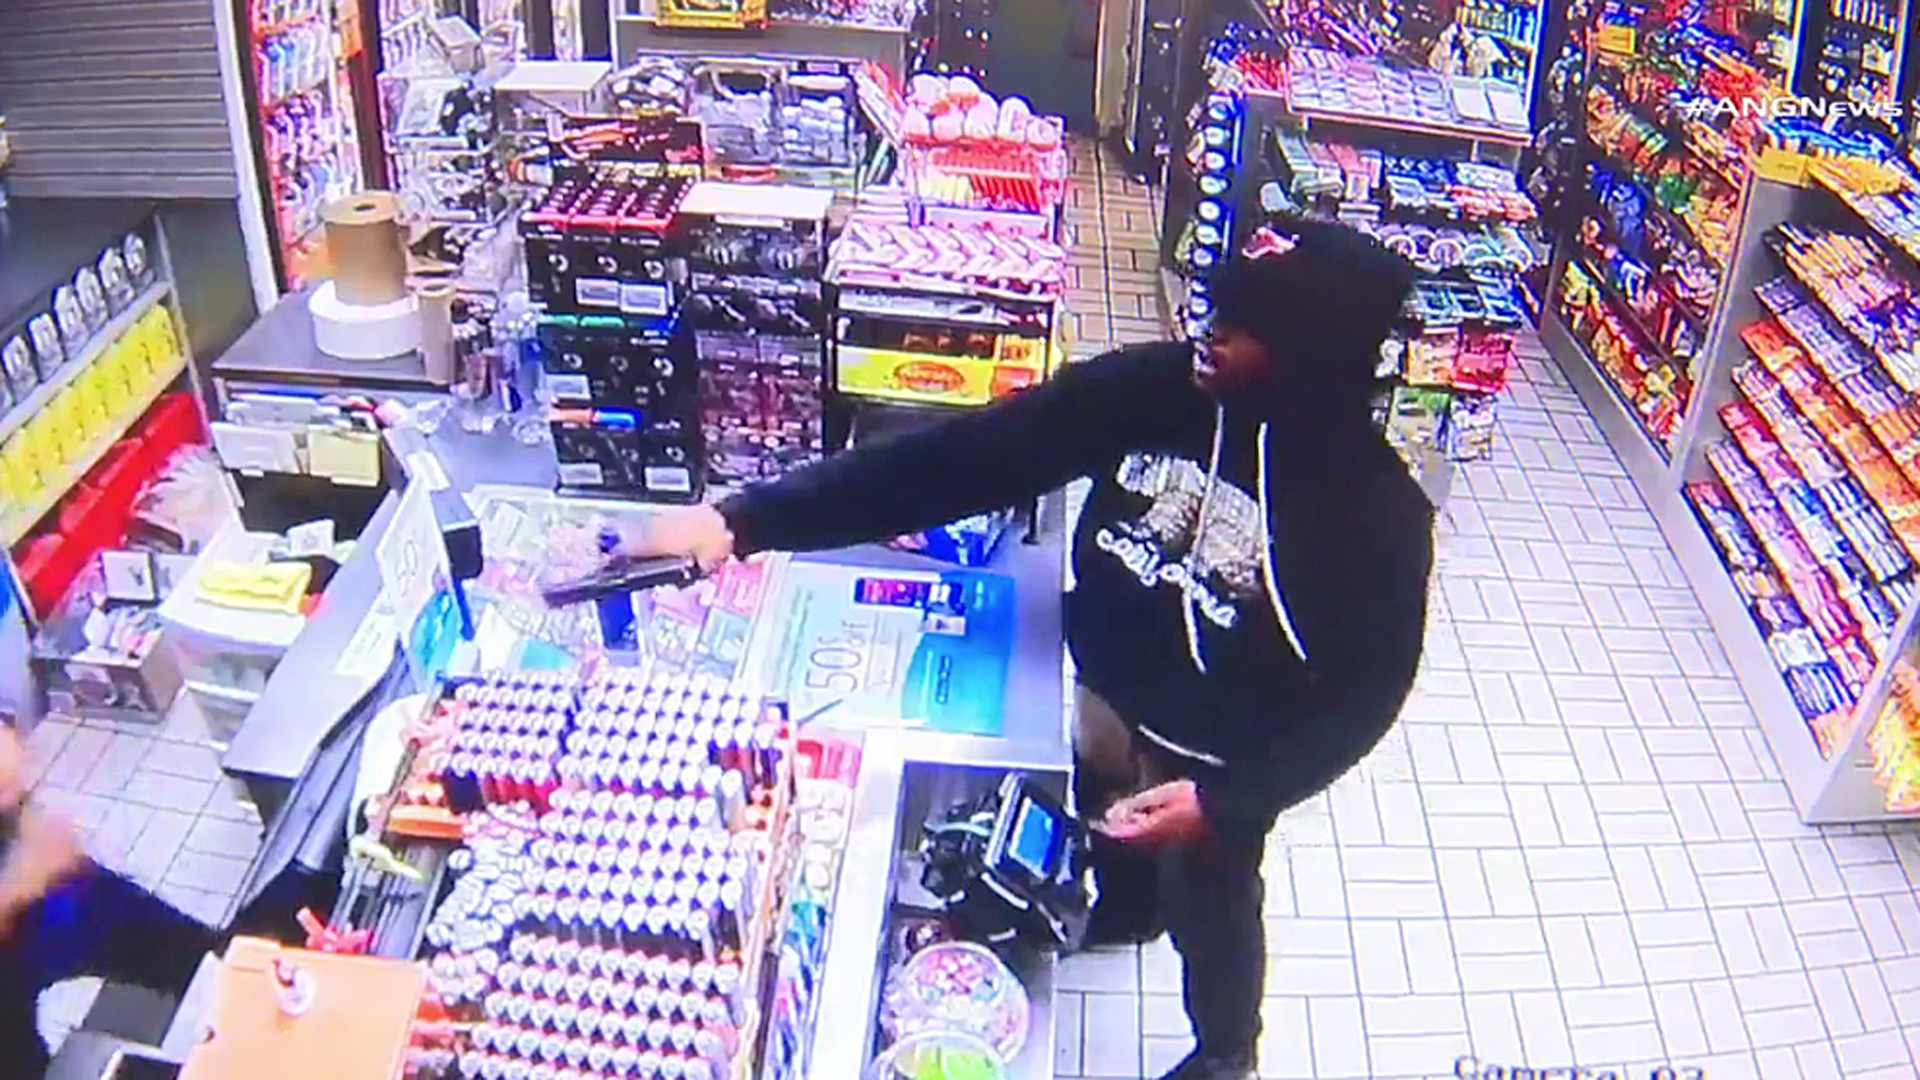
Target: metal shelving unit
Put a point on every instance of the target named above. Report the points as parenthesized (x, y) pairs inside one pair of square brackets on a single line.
[(1833, 789)]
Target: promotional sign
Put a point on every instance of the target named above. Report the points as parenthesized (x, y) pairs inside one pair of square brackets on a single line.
[(418, 580), (857, 647), (705, 628), (939, 379)]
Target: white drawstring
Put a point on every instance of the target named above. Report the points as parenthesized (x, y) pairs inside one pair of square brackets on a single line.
[(1200, 538), (1266, 562)]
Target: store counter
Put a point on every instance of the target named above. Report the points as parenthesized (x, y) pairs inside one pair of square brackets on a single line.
[(279, 350), (298, 750), (309, 694)]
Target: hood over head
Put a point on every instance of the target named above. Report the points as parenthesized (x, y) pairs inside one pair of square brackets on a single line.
[(1321, 297)]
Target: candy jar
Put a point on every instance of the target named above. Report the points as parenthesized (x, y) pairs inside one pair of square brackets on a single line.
[(938, 1055), (960, 986)]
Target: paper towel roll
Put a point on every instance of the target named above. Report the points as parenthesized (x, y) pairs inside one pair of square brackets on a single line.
[(361, 331), (436, 331), (363, 243)]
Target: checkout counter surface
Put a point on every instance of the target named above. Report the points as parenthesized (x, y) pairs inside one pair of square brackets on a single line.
[(299, 719), (309, 694), (279, 350)]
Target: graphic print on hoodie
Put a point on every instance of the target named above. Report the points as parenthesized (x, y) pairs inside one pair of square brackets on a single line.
[(1201, 536), (1288, 555)]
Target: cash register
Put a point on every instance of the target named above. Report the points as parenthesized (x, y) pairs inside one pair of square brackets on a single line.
[(1011, 865)]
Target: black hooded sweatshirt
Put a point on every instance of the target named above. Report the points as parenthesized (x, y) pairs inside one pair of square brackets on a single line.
[(1251, 578)]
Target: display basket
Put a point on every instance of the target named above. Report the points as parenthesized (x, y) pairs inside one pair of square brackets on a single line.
[(1004, 188)]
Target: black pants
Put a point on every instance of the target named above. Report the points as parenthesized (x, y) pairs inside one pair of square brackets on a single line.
[(99, 924), (1209, 895)]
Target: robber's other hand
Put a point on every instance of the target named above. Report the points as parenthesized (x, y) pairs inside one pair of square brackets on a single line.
[(1157, 817)]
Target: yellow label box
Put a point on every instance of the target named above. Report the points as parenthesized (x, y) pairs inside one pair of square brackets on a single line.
[(933, 379)]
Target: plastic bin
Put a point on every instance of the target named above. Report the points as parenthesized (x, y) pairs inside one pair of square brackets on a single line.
[(225, 655)]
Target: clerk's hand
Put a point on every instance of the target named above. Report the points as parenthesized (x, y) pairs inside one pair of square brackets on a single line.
[(46, 852), (1158, 816), (699, 533), (14, 777)]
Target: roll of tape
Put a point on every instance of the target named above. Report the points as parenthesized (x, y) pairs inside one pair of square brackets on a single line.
[(364, 331), (363, 244)]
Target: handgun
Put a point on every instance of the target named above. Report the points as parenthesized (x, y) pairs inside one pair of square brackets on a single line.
[(625, 574)]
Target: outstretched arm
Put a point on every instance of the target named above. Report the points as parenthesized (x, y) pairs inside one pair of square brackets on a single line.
[(975, 462)]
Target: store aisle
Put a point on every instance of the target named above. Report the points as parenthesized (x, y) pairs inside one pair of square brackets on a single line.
[(1575, 847), (1113, 284)]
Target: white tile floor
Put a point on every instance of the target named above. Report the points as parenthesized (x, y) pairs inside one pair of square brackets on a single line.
[(153, 804), (1575, 848)]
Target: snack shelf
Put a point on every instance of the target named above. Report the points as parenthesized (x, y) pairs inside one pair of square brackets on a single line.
[(1630, 314), (1874, 565), (1905, 372), (1321, 170), (1682, 137), (1794, 649), (1686, 311), (15, 525), (1788, 556), (1843, 433), (1824, 585), (30, 406), (1836, 436), (1907, 243), (1670, 217), (1470, 132), (1584, 339), (1895, 421)]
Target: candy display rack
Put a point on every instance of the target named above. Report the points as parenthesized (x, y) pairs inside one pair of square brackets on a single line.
[(1791, 497), (1644, 273), (932, 318), (1295, 127)]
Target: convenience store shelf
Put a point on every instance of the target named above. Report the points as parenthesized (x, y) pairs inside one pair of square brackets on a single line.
[(886, 46), (16, 524), (30, 407), (1834, 421), (1807, 774), (1907, 245), (1902, 373), (1469, 132), (1566, 341), (1686, 312), (1629, 314), (1836, 375), (1671, 218)]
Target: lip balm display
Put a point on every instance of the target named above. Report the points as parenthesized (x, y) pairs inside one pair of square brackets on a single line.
[(627, 845)]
